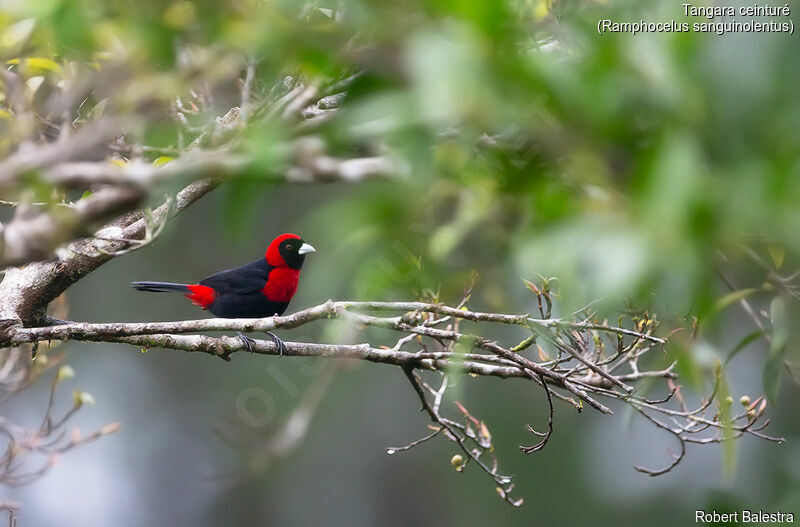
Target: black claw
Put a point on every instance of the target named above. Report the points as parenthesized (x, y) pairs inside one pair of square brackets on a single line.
[(247, 341), (278, 343)]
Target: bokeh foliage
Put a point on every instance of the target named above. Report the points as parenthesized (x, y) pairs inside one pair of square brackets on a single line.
[(524, 130), (633, 168)]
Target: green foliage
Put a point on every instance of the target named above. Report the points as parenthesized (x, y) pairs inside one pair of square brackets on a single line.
[(633, 168), (777, 348)]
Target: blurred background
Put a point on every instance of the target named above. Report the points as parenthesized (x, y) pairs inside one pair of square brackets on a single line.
[(653, 170)]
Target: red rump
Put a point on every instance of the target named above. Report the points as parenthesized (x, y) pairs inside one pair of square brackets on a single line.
[(273, 255), (201, 295)]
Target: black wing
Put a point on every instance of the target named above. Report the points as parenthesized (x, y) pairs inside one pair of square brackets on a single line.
[(241, 280)]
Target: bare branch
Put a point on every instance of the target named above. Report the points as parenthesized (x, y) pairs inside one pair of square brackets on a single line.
[(581, 374)]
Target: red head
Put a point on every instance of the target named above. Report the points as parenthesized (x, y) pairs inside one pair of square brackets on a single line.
[(288, 250)]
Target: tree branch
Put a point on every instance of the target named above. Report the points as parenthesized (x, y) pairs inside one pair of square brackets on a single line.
[(586, 374)]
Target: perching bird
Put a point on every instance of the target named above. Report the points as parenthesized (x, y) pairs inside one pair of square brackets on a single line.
[(259, 289)]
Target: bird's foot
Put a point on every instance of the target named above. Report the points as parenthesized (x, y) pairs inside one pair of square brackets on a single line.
[(247, 341), (278, 343)]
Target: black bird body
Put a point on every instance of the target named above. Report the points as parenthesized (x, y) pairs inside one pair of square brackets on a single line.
[(261, 288), (240, 292), (235, 293)]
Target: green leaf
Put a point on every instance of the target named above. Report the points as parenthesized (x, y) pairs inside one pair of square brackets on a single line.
[(162, 160), (531, 286), (777, 255), (771, 376), (37, 63), (43, 63), (726, 420), (780, 320), (746, 340), (728, 300)]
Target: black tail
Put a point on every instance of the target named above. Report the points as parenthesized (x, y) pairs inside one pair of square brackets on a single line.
[(161, 287)]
